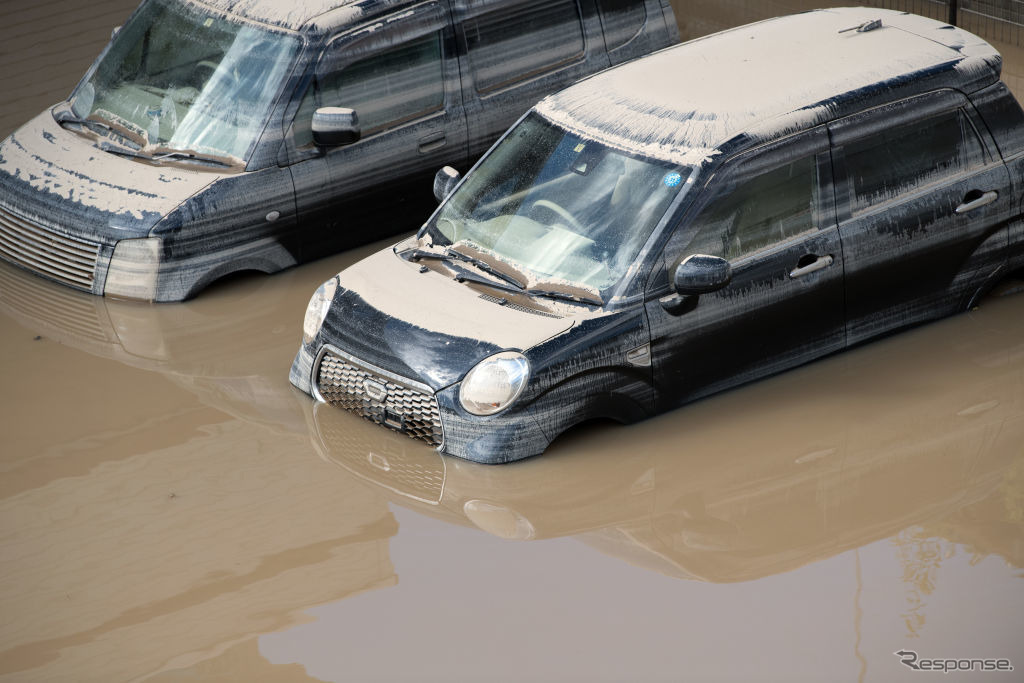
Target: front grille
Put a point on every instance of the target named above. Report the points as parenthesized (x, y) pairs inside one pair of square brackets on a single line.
[(379, 398), (411, 471), (68, 260)]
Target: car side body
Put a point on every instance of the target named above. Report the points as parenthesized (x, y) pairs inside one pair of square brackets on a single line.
[(804, 184), (215, 137)]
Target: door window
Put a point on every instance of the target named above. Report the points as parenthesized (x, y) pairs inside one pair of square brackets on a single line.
[(622, 20), (757, 211), (387, 89), (515, 42), (893, 162)]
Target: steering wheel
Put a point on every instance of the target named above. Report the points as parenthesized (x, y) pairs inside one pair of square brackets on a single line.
[(558, 211)]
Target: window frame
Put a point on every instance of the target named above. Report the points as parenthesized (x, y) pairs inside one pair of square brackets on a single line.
[(520, 77), (766, 157), (903, 112)]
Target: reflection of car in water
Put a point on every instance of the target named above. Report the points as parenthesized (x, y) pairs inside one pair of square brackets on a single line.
[(758, 481), (164, 523), (227, 349), (215, 137), (660, 232)]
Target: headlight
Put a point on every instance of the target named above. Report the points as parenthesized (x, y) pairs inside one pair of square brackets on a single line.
[(317, 309), (495, 383), (134, 269)]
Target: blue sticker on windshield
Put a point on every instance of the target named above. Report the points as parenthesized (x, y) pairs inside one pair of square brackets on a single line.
[(673, 179)]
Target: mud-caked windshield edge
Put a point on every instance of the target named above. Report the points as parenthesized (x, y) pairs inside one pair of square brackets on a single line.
[(561, 207), (179, 78)]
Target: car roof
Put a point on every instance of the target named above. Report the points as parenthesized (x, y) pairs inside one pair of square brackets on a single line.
[(713, 96), (305, 15)]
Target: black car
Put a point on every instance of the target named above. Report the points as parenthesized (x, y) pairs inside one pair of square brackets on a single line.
[(222, 136), (702, 217)]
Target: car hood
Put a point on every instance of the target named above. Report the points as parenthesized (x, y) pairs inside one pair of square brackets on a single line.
[(59, 179), (426, 326)]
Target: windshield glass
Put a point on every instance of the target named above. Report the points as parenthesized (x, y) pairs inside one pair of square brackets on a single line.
[(559, 206), (177, 78)]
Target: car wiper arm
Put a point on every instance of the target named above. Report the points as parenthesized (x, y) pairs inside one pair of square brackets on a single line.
[(487, 268), (565, 296), (468, 277), (452, 255), (192, 156), (124, 151)]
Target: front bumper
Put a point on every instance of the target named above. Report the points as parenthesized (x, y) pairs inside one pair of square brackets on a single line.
[(511, 435)]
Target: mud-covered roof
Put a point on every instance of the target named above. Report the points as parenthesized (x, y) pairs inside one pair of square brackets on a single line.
[(687, 102), (304, 14)]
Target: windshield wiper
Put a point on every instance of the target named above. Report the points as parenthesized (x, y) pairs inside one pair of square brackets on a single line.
[(468, 277), (192, 156), (453, 255), (138, 154), (565, 296), (65, 117)]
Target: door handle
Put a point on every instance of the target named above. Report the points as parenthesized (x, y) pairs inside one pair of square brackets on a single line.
[(806, 266), (975, 199), (433, 141)]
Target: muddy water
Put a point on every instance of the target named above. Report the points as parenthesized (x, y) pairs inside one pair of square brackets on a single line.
[(171, 509)]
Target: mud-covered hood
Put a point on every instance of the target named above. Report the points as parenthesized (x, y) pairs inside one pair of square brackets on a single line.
[(58, 178), (425, 326)]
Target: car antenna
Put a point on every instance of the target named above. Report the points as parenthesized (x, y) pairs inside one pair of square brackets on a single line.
[(865, 27)]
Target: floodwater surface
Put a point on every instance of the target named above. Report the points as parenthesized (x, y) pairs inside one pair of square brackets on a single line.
[(171, 509)]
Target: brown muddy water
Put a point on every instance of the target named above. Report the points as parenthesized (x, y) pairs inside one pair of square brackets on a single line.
[(172, 510)]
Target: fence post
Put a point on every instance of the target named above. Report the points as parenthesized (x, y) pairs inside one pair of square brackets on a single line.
[(953, 7)]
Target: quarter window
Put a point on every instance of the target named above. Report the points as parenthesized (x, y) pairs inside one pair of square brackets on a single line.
[(759, 211), (513, 43), (898, 160)]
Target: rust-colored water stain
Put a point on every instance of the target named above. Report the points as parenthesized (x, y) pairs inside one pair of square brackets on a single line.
[(172, 509)]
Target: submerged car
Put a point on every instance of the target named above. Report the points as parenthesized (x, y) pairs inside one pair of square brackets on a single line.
[(699, 218), (220, 136)]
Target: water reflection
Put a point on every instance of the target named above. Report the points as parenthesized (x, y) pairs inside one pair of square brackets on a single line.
[(924, 429), (145, 531)]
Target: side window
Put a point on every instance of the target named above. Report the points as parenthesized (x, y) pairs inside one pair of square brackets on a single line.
[(758, 211), (622, 20), (901, 159), (387, 89), (392, 87), (513, 43)]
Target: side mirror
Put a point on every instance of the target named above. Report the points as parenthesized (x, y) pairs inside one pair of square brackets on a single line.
[(114, 31), (335, 126), (697, 274), (700, 274), (444, 182)]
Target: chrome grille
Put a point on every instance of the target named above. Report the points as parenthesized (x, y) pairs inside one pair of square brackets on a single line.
[(408, 410), (68, 260)]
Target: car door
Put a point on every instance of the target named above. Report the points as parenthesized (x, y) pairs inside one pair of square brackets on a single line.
[(401, 76), (770, 213), (516, 52), (922, 205)]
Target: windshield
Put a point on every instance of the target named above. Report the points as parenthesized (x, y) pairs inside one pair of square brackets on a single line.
[(178, 78), (560, 206)]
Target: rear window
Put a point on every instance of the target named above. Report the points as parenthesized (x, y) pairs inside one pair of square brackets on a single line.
[(514, 43)]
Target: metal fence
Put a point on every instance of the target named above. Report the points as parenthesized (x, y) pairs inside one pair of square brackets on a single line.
[(999, 21)]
